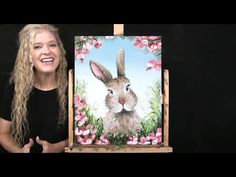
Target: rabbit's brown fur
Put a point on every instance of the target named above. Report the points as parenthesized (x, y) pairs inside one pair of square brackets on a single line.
[(121, 100)]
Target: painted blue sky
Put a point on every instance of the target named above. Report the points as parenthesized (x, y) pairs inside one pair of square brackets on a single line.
[(136, 60)]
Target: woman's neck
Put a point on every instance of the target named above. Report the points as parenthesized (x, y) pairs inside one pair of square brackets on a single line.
[(45, 81)]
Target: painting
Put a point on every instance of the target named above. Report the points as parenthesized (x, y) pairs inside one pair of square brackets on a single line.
[(117, 90)]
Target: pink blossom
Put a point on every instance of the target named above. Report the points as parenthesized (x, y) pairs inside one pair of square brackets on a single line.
[(79, 112), (84, 140), (154, 64), (93, 134), (151, 136), (144, 37), (87, 130), (79, 55), (141, 42), (143, 141), (87, 46), (158, 137), (86, 43), (85, 135), (158, 132), (102, 140), (152, 43), (77, 131), (84, 132), (90, 37), (152, 48), (81, 123), (97, 44), (153, 37), (133, 140), (156, 141), (81, 38), (81, 52), (79, 103), (159, 45), (81, 118), (77, 48), (89, 126)]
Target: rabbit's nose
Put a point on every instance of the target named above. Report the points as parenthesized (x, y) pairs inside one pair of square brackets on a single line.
[(121, 101)]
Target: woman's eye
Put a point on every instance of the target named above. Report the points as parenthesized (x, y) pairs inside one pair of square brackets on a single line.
[(110, 91), (127, 87), (53, 45), (37, 47)]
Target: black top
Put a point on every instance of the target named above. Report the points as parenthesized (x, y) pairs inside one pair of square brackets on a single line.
[(43, 110)]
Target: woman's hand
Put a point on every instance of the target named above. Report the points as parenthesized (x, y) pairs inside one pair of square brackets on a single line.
[(52, 147), (47, 147), (26, 147)]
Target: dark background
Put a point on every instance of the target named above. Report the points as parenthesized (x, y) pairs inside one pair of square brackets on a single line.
[(200, 59)]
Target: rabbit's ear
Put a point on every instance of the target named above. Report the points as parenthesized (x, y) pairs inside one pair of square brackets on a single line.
[(100, 72), (120, 63)]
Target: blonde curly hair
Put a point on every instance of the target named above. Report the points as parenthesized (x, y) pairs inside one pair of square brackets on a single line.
[(23, 77)]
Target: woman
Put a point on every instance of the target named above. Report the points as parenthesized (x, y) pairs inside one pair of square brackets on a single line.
[(33, 117)]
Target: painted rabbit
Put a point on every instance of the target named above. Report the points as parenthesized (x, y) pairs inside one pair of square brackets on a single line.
[(121, 100)]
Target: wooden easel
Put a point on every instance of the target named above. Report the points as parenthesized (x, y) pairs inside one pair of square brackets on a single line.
[(75, 148)]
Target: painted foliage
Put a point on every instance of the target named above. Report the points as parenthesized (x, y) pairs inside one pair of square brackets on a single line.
[(117, 90)]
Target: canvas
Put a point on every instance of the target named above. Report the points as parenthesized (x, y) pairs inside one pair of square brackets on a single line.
[(118, 90)]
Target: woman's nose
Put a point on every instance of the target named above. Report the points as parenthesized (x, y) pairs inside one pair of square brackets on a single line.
[(46, 50)]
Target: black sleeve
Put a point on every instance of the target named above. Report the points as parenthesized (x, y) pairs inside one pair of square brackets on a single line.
[(6, 101)]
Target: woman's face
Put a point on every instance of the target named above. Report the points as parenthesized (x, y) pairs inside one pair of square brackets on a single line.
[(46, 53)]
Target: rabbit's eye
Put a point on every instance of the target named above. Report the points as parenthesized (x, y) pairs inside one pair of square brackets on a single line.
[(110, 91), (127, 87)]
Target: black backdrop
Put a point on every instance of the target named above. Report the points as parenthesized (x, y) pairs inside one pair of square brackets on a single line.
[(200, 61)]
